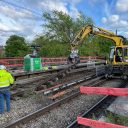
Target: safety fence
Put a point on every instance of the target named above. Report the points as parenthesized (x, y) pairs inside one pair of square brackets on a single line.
[(12, 62), (18, 61), (105, 91)]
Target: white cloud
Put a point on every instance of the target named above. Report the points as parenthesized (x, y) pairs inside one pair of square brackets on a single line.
[(123, 23), (74, 12), (54, 5), (4, 27), (116, 16), (122, 5), (14, 13), (115, 22), (51, 5), (126, 33), (73, 2), (113, 18), (10, 27), (16, 20)]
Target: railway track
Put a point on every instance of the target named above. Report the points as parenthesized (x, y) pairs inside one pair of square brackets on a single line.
[(23, 74), (49, 107), (98, 109), (39, 83), (34, 81)]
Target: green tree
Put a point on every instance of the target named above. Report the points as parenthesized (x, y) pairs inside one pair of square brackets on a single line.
[(54, 49), (59, 31), (82, 21), (16, 46), (62, 27), (41, 40)]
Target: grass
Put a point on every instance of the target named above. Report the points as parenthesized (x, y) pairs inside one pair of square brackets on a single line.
[(117, 119)]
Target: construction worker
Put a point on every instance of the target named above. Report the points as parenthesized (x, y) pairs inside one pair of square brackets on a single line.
[(119, 55), (73, 55), (6, 80), (74, 52), (126, 55)]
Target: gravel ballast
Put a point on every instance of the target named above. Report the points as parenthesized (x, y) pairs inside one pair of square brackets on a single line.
[(58, 117)]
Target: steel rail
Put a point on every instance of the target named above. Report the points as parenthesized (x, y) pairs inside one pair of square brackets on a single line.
[(45, 109), (94, 108), (33, 81), (28, 74), (67, 85)]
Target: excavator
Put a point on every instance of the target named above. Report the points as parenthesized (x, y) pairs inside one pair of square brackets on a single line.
[(118, 57)]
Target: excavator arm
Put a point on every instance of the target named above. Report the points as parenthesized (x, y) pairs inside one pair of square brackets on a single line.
[(81, 35), (90, 29)]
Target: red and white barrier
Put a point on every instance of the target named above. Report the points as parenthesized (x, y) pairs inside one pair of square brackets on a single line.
[(18, 61), (97, 124), (104, 91)]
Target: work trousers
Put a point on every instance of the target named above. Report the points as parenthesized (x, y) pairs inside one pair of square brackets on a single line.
[(4, 96)]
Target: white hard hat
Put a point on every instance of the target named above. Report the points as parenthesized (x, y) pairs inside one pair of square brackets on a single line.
[(2, 67)]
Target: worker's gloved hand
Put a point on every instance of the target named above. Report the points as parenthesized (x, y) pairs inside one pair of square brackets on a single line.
[(11, 85)]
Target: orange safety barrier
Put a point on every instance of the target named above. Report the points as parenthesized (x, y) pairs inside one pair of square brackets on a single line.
[(105, 91), (97, 124), (18, 61)]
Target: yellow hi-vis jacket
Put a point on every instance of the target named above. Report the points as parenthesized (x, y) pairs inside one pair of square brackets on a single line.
[(5, 78)]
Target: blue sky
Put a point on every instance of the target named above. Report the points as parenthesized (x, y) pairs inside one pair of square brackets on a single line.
[(24, 17)]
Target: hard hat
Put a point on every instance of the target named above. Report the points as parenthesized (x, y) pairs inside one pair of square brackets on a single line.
[(2, 67)]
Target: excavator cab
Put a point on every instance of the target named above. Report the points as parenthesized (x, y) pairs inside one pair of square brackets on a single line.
[(118, 55), (118, 62)]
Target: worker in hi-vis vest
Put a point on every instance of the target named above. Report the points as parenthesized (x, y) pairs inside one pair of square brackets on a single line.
[(6, 80)]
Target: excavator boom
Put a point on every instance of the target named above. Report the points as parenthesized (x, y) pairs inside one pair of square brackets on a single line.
[(90, 29)]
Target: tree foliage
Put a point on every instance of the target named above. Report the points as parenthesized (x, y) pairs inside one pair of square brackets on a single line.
[(41, 40), (16, 46), (54, 49), (60, 30), (62, 27)]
